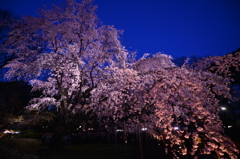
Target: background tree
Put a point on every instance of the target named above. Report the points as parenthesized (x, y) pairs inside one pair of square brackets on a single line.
[(14, 96), (7, 19), (179, 61)]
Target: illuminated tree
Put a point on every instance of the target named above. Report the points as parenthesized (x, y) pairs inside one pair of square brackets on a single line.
[(227, 66), (63, 53), (186, 108), (178, 105)]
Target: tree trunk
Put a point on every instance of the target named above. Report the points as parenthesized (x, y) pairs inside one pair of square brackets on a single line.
[(139, 139), (125, 139), (56, 141)]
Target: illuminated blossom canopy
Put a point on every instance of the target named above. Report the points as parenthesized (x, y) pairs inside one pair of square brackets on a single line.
[(63, 53), (178, 105)]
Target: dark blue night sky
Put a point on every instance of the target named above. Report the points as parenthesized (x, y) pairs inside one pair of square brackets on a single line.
[(174, 27)]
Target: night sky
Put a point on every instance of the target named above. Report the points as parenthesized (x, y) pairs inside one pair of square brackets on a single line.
[(174, 27)]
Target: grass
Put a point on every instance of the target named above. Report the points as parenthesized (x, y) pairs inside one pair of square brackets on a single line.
[(14, 148), (25, 146), (23, 143), (90, 151)]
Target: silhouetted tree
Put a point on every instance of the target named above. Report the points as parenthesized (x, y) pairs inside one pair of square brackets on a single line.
[(14, 96), (7, 19)]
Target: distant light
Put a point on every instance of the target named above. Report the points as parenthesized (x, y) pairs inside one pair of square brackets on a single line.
[(90, 129), (8, 131), (119, 130), (223, 108), (11, 132), (144, 129), (175, 128), (80, 126), (229, 126)]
